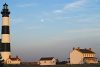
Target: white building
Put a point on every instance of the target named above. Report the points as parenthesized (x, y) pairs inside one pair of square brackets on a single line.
[(81, 56), (13, 60), (47, 61)]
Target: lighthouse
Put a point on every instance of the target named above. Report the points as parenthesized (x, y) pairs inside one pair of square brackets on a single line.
[(5, 34)]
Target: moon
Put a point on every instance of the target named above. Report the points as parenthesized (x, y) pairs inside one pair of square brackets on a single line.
[(42, 20)]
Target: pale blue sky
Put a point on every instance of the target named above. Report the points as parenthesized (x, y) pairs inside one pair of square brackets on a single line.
[(65, 24)]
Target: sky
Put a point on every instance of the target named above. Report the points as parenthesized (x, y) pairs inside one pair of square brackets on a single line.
[(51, 28)]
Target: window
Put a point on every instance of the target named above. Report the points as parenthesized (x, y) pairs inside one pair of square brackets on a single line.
[(9, 61), (93, 55), (85, 55), (53, 61), (44, 61)]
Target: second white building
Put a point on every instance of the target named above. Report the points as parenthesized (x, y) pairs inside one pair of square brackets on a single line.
[(47, 61)]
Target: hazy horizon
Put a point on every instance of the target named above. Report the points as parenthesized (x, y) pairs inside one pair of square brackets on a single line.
[(51, 28)]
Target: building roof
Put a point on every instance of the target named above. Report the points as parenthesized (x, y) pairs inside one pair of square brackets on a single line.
[(47, 58), (5, 4), (85, 51), (14, 59)]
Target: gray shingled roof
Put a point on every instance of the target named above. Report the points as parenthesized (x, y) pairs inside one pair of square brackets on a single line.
[(47, 58), (85, 51)]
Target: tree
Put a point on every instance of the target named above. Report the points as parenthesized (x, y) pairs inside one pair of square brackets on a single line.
[(57, 60), (1, 61)]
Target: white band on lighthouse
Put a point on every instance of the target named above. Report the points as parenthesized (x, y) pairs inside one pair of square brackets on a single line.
[(5, 21), (5, 55), (5, 38)]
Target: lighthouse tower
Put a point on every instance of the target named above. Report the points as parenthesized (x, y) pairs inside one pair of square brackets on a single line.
[(5, 33)]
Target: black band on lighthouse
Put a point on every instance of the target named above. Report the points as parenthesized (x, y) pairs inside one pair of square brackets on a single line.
[(5, 30), (5, 47), (5, 13)]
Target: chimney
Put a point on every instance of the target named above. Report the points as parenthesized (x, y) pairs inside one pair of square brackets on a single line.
[(16, 56), (79, 48), (89, 49), (9, 56), (73, 48), (85, 48)]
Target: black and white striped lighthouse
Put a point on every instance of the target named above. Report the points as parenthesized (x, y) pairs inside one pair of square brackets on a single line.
[(5, 33)]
